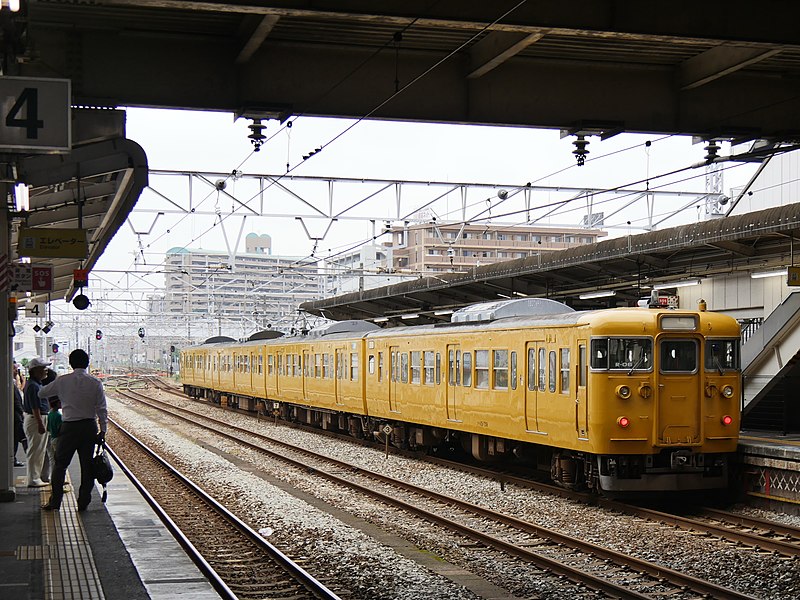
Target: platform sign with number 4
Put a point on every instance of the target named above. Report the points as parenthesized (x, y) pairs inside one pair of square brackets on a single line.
[(35, 309), (35, 115)]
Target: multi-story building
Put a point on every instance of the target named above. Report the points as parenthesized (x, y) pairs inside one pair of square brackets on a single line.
[(363, 268), (428, 248), (253, 290)]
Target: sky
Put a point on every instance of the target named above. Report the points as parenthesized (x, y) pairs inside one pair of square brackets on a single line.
[(506, 156)]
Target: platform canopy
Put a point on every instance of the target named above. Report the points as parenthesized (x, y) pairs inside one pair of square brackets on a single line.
[(93, 188)]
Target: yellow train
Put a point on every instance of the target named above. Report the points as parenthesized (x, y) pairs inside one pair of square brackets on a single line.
[(618, 400)]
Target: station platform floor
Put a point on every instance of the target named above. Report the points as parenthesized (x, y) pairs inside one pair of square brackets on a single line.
[(771, 464), (114, 551)]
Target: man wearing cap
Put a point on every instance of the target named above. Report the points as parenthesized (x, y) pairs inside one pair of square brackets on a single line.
[(83, 407), (34, 410)]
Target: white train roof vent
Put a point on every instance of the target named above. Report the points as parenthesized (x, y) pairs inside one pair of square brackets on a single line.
[(349, 326), (519, 307)]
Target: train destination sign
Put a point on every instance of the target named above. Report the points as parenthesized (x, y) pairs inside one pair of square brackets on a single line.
[(50, 242), (35, 115)]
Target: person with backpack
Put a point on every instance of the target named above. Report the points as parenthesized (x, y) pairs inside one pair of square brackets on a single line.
[(83, 404)]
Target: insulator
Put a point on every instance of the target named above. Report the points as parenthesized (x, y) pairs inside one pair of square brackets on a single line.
[(580, 151)]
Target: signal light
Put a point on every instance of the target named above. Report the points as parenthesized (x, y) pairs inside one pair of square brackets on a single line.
[(98, 335), (623, 422), (727, 420), (55, 348)]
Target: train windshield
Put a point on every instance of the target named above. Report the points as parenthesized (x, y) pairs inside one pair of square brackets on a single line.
[(631, 354), (722, 355)]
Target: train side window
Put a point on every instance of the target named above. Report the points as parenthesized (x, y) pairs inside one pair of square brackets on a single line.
[(317, 366), (260, 364), (371, 364), (564, 370), (551, 371), (380, 366), (427, 364), (416, 367), (438, 368), (542, 370), (270, 365), (466, 371), (513, 370), (582, 367), (482, 369), (500, 368), (531, 369), (326, 366), (404, 367), (354, 366)]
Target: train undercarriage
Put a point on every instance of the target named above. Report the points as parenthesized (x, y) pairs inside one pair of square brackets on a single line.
[(671, 470)]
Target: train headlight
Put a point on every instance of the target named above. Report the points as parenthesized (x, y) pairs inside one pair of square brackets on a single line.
[(727, 420), (727, 391), (623, 422), (623, 391)]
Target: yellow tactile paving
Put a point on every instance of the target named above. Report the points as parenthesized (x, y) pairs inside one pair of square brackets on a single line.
[(68, 565)]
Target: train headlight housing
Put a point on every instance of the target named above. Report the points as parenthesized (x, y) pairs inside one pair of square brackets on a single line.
[(727, 391), (623, 422), (623, 391), (645, 391), (727, 420)]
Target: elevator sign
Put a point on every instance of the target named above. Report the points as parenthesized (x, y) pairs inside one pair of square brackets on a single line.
[(35, 115)]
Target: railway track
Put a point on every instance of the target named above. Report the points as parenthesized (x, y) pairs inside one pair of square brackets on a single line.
[(590, 565), (733, 527), (238, 562)]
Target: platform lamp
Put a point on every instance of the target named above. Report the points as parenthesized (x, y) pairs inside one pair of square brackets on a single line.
[(80, 278)]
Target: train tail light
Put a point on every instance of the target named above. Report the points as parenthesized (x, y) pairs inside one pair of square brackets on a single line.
[(623, 422), (727, 420)]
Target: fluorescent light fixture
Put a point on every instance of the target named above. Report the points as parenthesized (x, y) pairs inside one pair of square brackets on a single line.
[(380, 319), (410, 316), (439, 313), (676, 284), (597, 294), (763, 274)]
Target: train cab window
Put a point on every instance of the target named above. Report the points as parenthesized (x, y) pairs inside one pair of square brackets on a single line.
[(438, 368), (564, 370), (513, 370), (678, 356), (371, 364), (466, 371), (542, 370), (722, 355), (551, 371), (404, 367), (628, 354), (500, 368), (531, 369), (270, 365), (354, 366), (427, 365), (482, 369), (380, 366), (416, 367)]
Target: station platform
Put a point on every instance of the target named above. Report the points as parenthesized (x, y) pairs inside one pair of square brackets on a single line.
[(769, 464), (114, 551)]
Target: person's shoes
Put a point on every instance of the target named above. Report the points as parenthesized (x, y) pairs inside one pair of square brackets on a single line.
[(82, 507), (46, 481), (50, 506), (18, 463), (37, 483)]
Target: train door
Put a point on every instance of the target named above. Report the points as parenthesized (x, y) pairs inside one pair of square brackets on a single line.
[(453, 381), (679, 415), (531, 386), (581, 397), (394, 375), (340, 372), (305, 373)]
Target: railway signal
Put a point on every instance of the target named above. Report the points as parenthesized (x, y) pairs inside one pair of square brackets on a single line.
[(98, 335)]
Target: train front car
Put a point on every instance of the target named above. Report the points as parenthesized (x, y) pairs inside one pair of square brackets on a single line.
[(663, 411)]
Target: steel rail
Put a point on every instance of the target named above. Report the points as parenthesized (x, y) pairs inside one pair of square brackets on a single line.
[(639, 565)]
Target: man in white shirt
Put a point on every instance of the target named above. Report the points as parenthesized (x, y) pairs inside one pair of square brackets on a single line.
[(83, 407)]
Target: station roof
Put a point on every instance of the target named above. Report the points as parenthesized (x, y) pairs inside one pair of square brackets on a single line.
[(716, 68), (629, 266), (106, 176)]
